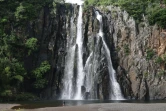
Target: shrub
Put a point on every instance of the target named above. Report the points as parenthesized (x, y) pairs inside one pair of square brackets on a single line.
[(98, 2), (146, 74), (164, 58), (159, 60), (38, 74), (135, 8), (31, 44), (159, 17), (149, 54), (126, 49), (6, 93), (160, 73)]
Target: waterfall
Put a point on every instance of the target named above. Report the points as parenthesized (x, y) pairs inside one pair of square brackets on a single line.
[(88, 77), (91, 75), (115, 92), (87, 70), (68, 90), (79, 42)]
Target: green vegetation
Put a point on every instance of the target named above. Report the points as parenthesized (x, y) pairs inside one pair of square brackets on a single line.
[(159, 60), (31, 44), (38, 74), (16, 45), (158, 15), (160, 73), (149, 54), (135, 8), (154, 9), (145, 74), (164, 58), (126, 49), (98, 2)]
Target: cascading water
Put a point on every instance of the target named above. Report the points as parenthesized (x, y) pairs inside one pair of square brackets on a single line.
[(79, 42), (89, 77), (87, 70), (115, 88), (68, 91)]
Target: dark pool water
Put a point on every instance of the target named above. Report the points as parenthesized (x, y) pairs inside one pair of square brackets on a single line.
[(59, 103)]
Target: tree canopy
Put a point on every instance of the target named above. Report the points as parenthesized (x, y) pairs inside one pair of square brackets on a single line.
[(154, 9), (16, 46)]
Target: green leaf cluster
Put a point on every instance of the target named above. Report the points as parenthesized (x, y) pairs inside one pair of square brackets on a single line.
[(149, 54), (39, 75), (161, 73), (31, 44), (11, 64), (126, 49), (98, 2), (161, 60), (159, 17), (135, 8), (154, 9), (16, 46)]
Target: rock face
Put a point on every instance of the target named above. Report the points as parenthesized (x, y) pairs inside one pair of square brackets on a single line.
[(52, 30), (58, 42), (134, 50)]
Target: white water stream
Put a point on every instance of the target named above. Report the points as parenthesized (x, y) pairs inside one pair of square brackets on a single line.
[(79, 42), (72, 90), (88, 75), (115, 92), (67, 92)]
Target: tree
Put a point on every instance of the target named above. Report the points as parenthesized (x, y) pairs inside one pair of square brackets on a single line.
[(39, 75)]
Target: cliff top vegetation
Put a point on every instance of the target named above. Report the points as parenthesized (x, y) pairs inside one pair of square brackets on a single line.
[(154, 9)]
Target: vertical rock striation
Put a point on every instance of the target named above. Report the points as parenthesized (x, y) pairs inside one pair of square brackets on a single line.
[(134, 49)]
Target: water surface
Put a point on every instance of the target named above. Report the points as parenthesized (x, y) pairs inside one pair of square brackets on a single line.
[(59, 103)]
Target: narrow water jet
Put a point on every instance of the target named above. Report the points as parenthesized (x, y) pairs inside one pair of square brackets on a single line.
[(88, 74)]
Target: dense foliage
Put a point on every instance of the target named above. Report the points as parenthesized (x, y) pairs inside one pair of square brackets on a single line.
[(15, 46), (154, 9)]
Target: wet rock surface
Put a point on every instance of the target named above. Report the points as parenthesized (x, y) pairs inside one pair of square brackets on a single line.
[(130, 45), (137, 74)]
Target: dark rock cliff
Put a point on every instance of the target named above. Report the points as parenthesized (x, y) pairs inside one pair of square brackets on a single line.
[(136, 48), (129, 43)]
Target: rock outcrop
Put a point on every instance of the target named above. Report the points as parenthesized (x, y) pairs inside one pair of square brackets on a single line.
[(134, 50), (137, 47)]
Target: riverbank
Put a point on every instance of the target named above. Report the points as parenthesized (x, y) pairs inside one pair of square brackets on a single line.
[(95, 107)]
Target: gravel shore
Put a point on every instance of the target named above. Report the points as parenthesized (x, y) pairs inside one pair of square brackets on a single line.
[(96, 107)]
